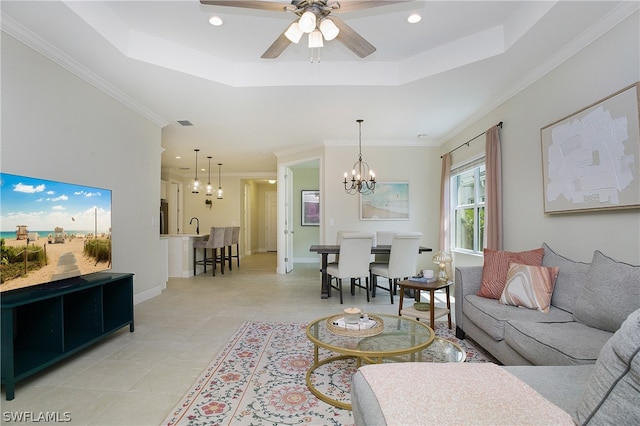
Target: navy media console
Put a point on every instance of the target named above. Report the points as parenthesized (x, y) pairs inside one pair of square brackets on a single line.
[(45, 324)]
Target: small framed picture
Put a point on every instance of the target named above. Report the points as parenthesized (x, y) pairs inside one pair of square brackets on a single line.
[(310, 208)]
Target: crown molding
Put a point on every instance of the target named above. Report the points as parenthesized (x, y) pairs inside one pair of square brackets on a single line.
[(37, 43)]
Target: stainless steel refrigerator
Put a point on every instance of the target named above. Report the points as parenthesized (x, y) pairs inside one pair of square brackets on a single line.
[(164, 217)]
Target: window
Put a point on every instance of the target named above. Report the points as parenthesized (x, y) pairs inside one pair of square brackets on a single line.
[(467, 206)]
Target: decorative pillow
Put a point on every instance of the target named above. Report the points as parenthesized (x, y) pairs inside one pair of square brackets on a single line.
[(496, 266), (611, 395), (529, 286), (571, 278), (610, 294)]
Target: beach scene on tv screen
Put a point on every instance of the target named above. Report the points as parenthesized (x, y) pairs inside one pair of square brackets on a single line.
[(50, 231)]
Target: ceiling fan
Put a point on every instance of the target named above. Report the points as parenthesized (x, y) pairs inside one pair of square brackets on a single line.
[(314, 19)]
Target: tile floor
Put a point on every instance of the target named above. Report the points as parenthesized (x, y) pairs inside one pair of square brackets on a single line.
[(137, 378)]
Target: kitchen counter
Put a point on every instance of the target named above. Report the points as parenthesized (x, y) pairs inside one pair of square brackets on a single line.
[(180, 256)]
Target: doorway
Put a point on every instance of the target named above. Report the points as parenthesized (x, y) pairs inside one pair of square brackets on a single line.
[(271, 220)]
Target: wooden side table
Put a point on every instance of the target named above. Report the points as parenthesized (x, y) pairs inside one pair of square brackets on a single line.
[(434, 311)]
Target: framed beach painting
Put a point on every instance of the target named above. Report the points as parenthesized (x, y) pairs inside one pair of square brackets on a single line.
[(390, 201), (591, 158), (310, 208)]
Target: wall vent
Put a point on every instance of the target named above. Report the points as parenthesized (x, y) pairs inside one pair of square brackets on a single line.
[(185, 123)]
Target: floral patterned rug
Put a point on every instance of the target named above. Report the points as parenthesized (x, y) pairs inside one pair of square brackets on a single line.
[(259, 379)]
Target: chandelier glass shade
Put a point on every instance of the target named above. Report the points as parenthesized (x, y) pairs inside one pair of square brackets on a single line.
[(315, 39), (209, 192), (307, 21), (219, 192), (328, 29), (294, 33), (194, 185), (363, 179)]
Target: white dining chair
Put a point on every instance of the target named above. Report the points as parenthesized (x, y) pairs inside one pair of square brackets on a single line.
[(383, 238), (353, 263), (403, 260)]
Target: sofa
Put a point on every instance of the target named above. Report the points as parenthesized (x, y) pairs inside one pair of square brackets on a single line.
[(587, 304), (604, 393)]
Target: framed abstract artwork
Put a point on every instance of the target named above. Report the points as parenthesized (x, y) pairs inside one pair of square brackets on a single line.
[(390, 201), (310, 208), (591, 158)]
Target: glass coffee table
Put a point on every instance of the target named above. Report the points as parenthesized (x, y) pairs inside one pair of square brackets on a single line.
[(400, 339)]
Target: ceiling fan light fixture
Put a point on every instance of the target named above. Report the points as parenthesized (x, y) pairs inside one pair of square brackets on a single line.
[(294, 33), (315, 39), (329, 29), (307, 21)]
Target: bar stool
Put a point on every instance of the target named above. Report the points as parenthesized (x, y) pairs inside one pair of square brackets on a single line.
[(204, 245), (228, 240), (235, 240), (218, 256)]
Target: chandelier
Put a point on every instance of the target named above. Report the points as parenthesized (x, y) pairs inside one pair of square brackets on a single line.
[(359, 182)]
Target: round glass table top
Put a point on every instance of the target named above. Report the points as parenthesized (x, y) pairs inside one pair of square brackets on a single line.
[(401, 335)]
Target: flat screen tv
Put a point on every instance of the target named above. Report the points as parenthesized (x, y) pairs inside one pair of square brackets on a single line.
[(63, 230)]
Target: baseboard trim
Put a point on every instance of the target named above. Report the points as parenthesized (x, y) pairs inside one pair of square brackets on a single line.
[(146, 295)]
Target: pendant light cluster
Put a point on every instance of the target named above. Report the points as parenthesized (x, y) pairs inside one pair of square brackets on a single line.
[(363, 179), (195, 186)]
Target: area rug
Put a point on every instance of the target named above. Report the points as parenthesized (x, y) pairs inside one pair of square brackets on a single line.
[(259, 379)]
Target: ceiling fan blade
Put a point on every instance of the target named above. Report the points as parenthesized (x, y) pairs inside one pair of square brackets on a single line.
[(248, 4), (351, 39), (277, 47), (351, 5)]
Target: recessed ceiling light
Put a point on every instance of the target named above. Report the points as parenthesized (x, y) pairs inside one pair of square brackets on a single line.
[(216, 21), (178, 157), (414, 18)]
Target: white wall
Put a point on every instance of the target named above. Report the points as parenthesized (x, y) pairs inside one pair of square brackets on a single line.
[(56, 126), (604, 67), (418, 165)]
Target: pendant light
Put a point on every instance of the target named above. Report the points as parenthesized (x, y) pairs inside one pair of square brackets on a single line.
[(363, 180), (209, 186), (219, 185), (195, 183)]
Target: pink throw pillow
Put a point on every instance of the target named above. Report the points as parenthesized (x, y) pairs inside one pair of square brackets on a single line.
[(529, 286), (496, 266)]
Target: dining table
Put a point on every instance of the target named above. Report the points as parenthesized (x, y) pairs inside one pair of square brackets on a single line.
[(326, 249)]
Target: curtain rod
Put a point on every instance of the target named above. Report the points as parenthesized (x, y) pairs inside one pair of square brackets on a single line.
[(472, 139)]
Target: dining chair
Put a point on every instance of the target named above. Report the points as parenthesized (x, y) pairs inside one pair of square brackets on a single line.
[(403, 260), (355, 252), (383, 238)]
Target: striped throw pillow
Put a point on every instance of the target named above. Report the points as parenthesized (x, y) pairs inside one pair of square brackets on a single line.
[(529, 286), (496, 266)]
